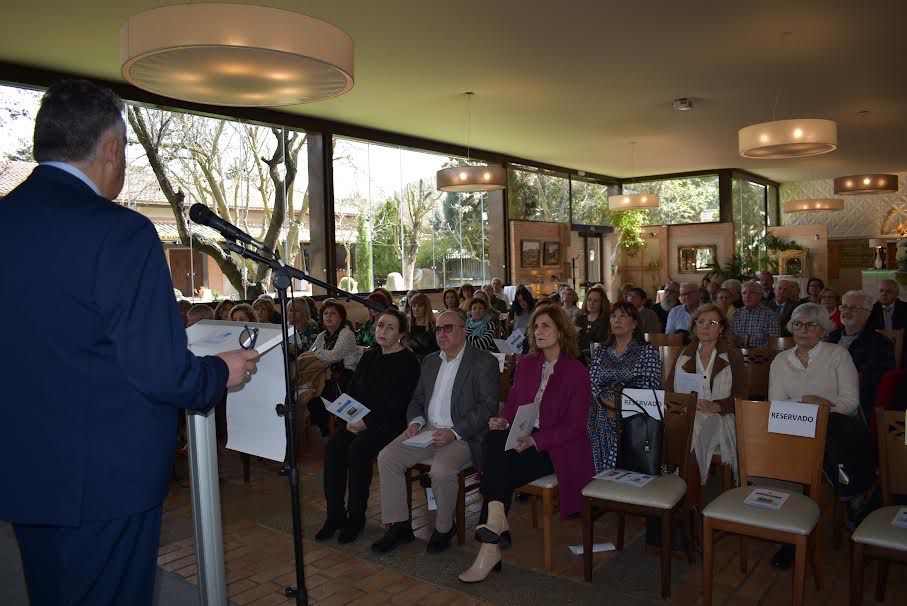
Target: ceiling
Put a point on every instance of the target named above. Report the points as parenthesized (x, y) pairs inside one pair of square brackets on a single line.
[(573, 83)]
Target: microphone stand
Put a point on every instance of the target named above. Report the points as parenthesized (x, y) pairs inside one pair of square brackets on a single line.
[(282, 281)]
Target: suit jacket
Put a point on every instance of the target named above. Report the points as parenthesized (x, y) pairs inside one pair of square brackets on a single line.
[(876, 321), (648, 321), (473, 401), (96, 373), (562, 421), (873, 355), (789, 306)]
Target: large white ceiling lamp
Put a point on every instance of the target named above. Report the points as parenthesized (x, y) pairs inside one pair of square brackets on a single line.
[(235, 55), (788, 139), (813, 204), (633, 201), (470, 178), (866, 184)]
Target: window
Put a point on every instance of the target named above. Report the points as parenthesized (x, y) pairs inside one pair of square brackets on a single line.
[(589, 202), (538, 195), (749, 200), (681, 200), (396, 229)]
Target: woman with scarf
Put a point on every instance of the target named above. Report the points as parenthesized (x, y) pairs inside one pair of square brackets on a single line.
[(336, 347), (481, 329)]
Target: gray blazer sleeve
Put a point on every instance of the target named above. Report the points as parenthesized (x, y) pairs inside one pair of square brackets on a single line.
[(479, 398), (418, 405)]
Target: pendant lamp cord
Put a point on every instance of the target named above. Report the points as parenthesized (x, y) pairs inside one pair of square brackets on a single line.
[(468, 124)]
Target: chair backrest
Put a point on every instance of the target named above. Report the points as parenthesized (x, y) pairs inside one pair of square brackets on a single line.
[(659, 338), (892, 453), (758, 362), (779, 343), (679, 416), (741, 341), (776, 455), (668, 355), (506, 379), (897, 340)]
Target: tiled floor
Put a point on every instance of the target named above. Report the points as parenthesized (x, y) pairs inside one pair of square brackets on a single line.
[(259, 562)]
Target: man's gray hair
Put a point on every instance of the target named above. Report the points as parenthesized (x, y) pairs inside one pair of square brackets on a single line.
[(753, 283), (890, 282), (201, 311), (868, 300), (811, 312), (733, 284)]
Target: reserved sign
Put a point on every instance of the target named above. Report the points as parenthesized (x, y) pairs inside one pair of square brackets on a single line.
[(652, 401), (793, 418)]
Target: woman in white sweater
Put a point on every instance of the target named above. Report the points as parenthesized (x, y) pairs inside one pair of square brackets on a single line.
[(336, 347)]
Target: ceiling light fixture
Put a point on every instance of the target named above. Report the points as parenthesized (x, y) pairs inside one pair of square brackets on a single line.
[(813, 204), (470, 178), (633, 201), (866, 184), (235, 55)]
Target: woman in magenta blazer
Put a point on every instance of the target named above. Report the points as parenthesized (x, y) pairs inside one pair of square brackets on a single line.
[(552, 377)]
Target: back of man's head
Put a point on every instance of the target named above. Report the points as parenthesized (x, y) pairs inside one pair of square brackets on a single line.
[(72, 117), (199, 312)]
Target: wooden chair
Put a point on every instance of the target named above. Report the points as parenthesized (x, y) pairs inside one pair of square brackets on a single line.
[(668, 355), (504, 382), (546, 489), (777, 456), (779, 343), (467, 480), (758, 362), (659, 498), (897, 340), (741, 341), (876, 537), (659, 338)]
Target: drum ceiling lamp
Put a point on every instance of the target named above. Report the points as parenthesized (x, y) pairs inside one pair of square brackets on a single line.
[(633, 201), (788, 139), (470, 178), (235, 55), (813, 204), (866, 184)]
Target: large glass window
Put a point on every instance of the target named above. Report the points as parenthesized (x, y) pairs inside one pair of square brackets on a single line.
[(396, 229), (682, 200), (589, 202), (749, 200), (538, 195)]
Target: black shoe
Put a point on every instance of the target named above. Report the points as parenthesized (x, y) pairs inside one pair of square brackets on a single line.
[(399, 533), (329, 529), (784, 557), (351, 530), (440, 541)]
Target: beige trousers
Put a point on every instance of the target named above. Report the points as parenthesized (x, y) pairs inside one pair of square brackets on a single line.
[(446, 463)]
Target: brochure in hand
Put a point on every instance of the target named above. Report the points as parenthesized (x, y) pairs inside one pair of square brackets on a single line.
[(628, 478), (765, 498), (523, 424), (420, 440), (347, 408), (513, 344)]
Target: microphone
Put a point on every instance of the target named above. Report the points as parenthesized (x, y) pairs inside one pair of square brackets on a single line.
[(201, 214)]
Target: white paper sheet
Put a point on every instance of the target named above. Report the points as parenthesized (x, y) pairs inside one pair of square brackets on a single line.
[(688, 382), (420, 440), (430, 499), (347, 408), (513, 344), (596, 548), (793, 418), (523, 424), (651, 401), (502, 358)]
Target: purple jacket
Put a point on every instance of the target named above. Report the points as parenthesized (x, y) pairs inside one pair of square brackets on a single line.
[(562, 421)]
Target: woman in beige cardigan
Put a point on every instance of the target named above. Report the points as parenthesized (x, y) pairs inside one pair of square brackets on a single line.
[(712, 361)]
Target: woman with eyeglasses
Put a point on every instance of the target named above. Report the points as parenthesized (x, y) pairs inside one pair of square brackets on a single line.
[(421, 339), (384, 381), (830, 300), (624, 359), (481, 327), (814, 288), (718, 368), (814, 372)]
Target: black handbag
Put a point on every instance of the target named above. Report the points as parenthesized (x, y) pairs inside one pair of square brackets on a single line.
[(641, 441)]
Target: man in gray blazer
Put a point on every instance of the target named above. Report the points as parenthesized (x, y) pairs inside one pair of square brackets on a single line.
[(456, 395)]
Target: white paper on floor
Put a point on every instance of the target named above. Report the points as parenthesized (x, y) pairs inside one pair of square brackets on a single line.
[(596, 548)]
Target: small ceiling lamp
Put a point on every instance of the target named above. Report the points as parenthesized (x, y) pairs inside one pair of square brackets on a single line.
[(235, 55), (813, 204), (633, 201), (866, 184), (470, 178), (788, 139)]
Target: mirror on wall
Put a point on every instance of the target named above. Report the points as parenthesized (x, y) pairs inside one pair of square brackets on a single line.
[(696, 258)]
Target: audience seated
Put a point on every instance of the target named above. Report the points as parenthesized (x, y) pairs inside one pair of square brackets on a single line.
[(455, 407), (625, 359), (466, 293), (713, 287), (712, 356), (184, 305), (594, 322), (872, 353), (384, 381), (767, 280), (421, 339), (199, 312), (736, 290), (498, 287), (223, 309), (814, 288), (648, 321), (521, 310), (830, 300), (451, 299), (754, 321), (336, 347), (264, 310), (569, 299), (306, 329), (725, 301), (481, 327), (680, 316), (365, 336), (670, 298), (889, 312), (499, 306), (552, 377), (243, 312), (784, 304)]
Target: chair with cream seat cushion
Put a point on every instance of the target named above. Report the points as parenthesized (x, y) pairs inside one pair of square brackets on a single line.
[(773, 456), (876, 537), (545, 488), (659, 498)]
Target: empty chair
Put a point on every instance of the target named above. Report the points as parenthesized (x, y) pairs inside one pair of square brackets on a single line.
[(758, 363), (659, 338)]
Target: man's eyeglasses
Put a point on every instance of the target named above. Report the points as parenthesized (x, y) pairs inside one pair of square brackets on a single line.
[(798, 325), (703, 323), (852, 307), (447, 328), (248, 338)]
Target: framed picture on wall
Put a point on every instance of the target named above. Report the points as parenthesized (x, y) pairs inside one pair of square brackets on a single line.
[(551, 253), (530, 253)]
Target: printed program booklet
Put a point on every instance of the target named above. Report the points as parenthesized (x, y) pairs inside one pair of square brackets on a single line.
[(765, 498), (900, 519), (628, 478), (347, 408)]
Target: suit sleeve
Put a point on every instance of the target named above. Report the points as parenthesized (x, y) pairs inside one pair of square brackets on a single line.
[(485, 397), (571, 425), (417, 410), (134, 292)]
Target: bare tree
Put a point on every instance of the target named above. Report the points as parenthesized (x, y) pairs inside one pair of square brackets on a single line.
[(418, 200)]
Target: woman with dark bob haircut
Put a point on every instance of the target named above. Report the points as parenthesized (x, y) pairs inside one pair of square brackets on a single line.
[(336, 347)]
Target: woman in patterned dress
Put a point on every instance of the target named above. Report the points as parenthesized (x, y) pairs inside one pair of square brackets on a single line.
[(624, 359)]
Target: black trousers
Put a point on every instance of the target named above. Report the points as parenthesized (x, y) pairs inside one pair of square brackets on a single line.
[(504, 471), (348, 462)]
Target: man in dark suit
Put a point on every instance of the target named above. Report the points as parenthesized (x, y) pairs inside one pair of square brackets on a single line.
[(456, 395), (92, 392), (784, 304), (872, 354), (889, 312)]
